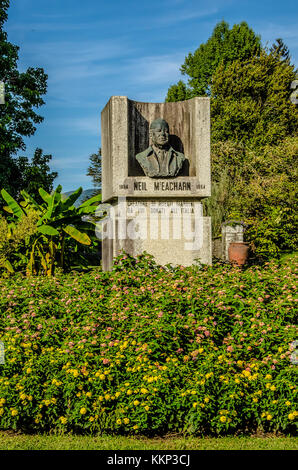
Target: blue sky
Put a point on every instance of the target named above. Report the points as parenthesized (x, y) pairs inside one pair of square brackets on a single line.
[(94, 49)]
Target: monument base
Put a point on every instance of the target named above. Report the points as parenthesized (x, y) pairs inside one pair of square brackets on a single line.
[(173, 232)]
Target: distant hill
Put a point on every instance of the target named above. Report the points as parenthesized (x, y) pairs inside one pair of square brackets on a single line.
[(86, 194)]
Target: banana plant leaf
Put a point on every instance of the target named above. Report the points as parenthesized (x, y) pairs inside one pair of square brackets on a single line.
[(48, 230), (12, 203), (77, 235), (29, 198), (45, 196), (90, 201), (72, 198), (8, 209), (8, 266)]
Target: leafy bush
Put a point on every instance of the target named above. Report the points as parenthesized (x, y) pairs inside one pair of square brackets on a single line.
[(150, 349), (258, 187)]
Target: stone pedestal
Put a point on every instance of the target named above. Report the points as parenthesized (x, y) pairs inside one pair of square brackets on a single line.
[(231, 233), (174, 232), (160, 215)]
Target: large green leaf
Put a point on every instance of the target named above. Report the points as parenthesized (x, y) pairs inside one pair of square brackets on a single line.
[(16, 209), (45, 196), (29, 198), (8, 266), (77, 235), (48, 230), (8, 209), (90, 201), (87, 209), (72, 198)]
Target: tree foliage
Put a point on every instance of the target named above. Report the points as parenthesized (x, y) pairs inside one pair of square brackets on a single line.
[(223, 47), (95, 169), (251, 101), (254, 128), (36, 173), (18, 116)]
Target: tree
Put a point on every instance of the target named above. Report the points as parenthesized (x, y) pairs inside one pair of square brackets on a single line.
[(23, 94), (36, 174), (280, 50), (223, 47), (254, 134), (250, 101), (95, 169)]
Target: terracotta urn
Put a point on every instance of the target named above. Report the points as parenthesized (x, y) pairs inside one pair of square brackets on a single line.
[(238, 252)]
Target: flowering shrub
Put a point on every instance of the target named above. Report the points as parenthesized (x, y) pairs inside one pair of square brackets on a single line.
[(150, 349)]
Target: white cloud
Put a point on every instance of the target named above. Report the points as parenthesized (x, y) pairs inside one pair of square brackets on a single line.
[(157, 69), (83, 125)]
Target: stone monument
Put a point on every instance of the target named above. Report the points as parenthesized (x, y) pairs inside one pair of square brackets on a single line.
[(155, 171)]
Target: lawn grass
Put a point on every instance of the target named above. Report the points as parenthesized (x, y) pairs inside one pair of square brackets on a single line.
[(11, 441)]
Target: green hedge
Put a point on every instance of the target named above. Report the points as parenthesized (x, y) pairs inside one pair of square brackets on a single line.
[(146, 349)]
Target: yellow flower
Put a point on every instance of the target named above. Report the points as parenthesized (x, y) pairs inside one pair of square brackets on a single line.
[(223, 419), (135, 426), (79, 394), (136, 402), (118, 421), (14, 412), (107, 396), (91, 419), (29, 370), (246, 373), (117, 394), (237, 381), (88, 394), (291, 416), (129, 392), (83, 411), (144, 390), (200, 350), (273, 388), (288, 403), (268, 377), (63, 419), (147, 408), (255, 400), (126, 421), (1, 411), (206, 400), (194, 404), (53, 400), (269, 417)]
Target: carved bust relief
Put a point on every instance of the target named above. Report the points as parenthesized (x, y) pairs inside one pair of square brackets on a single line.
[(160, 160)]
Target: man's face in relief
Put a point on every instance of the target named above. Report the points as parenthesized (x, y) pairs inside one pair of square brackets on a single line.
[(159, 133)]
